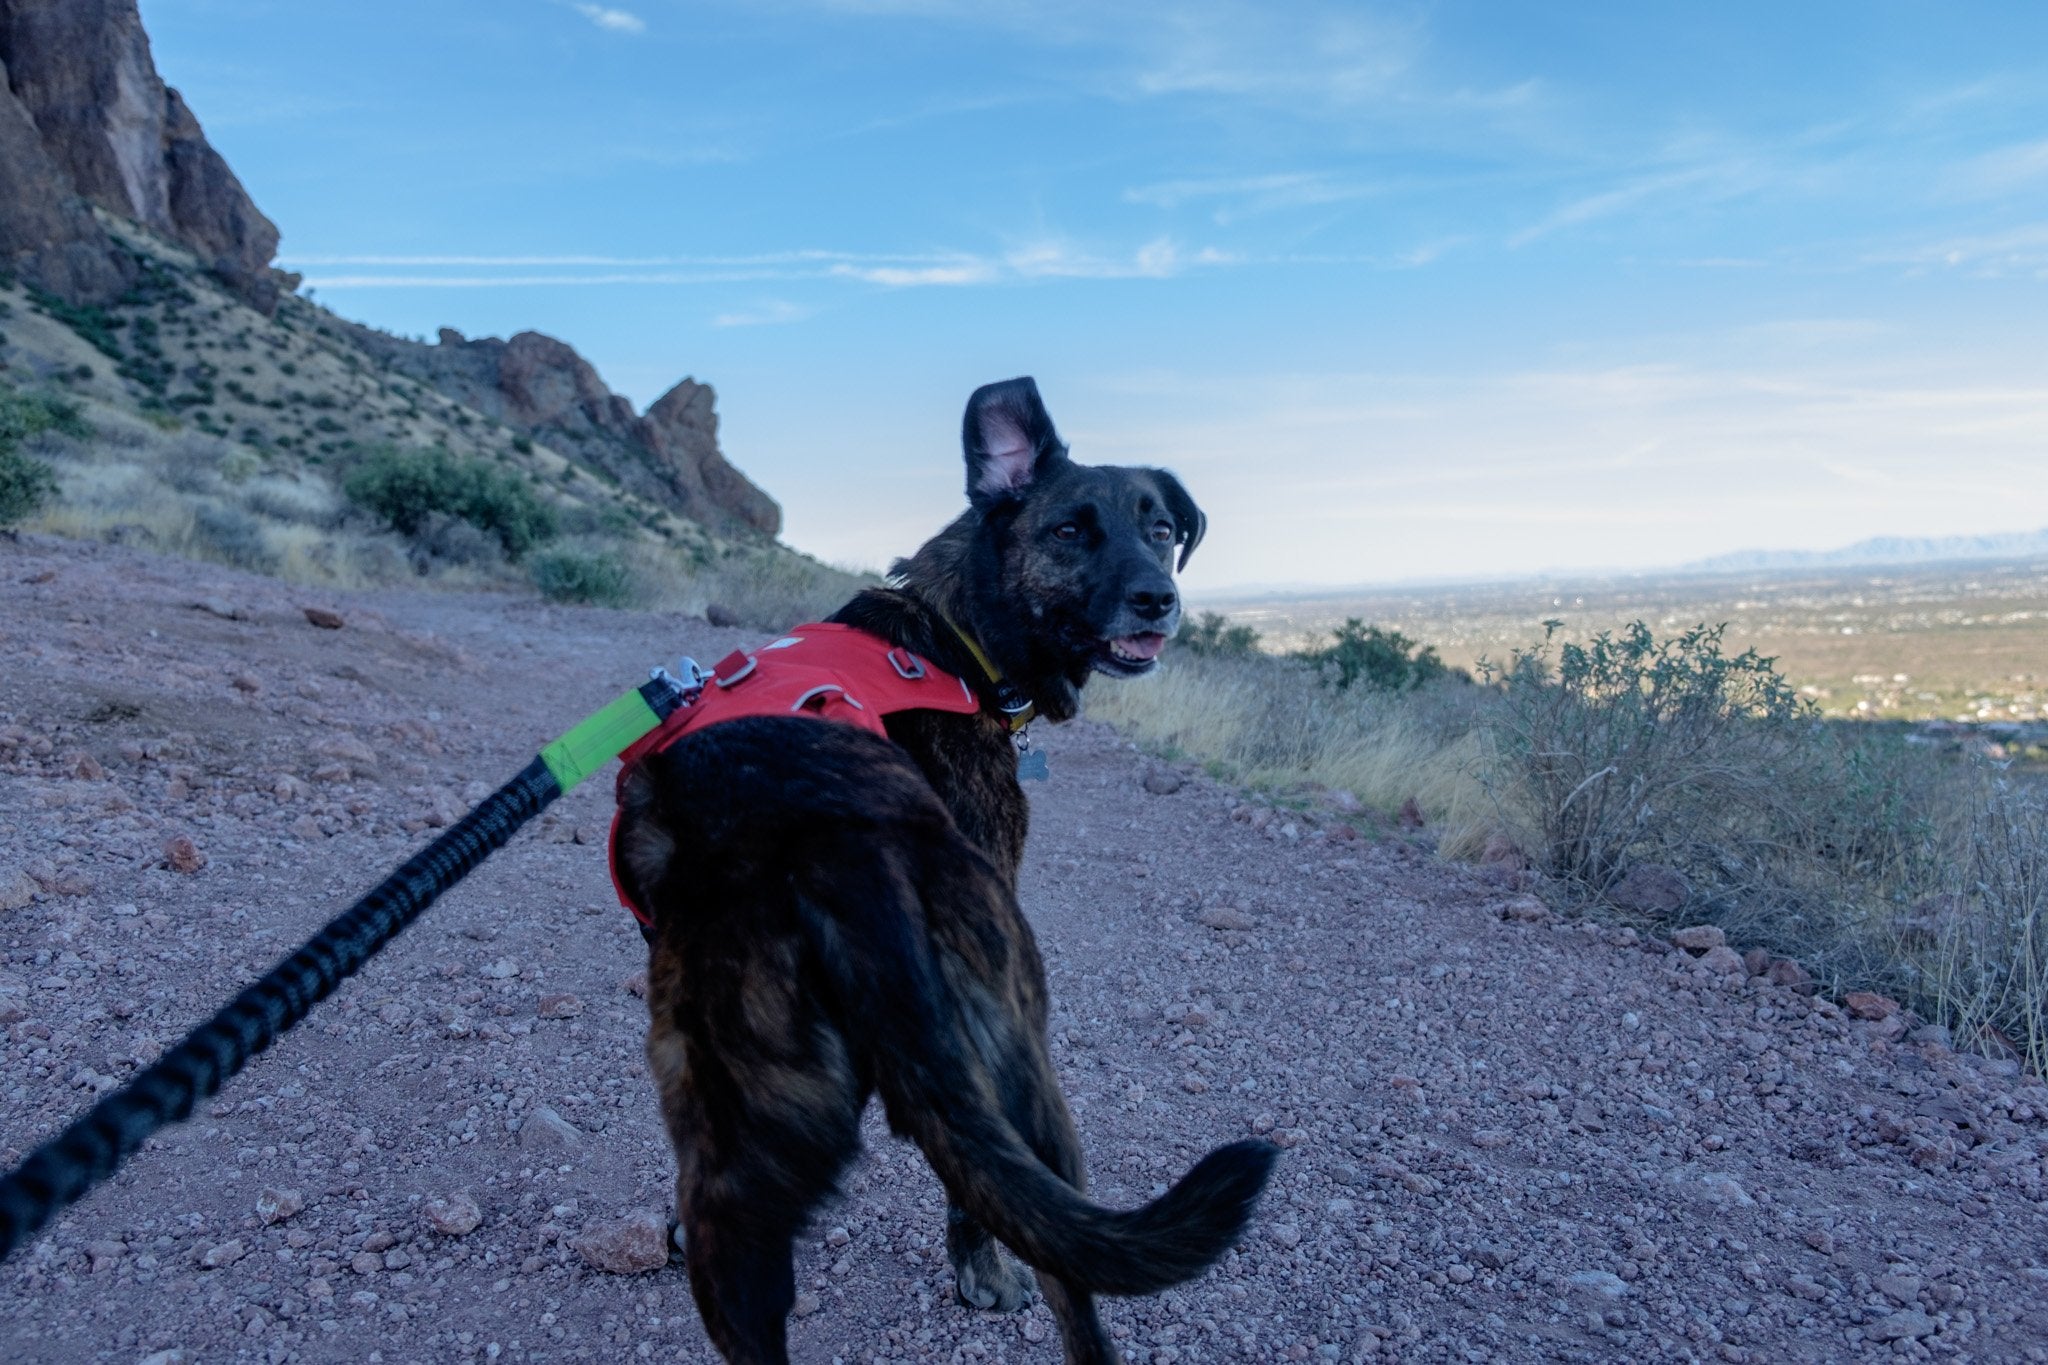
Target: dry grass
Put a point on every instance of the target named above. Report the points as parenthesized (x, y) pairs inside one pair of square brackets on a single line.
[(1876, 863), (758, 587), (1268, 723)]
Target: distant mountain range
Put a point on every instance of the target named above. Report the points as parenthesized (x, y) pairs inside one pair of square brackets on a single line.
[(1881, 550)]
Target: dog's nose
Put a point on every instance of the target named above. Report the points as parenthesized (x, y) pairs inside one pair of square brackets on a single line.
[(1152, 602)]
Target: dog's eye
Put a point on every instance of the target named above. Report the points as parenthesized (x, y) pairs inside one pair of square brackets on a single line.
[(1066, 530), (1162, 532)]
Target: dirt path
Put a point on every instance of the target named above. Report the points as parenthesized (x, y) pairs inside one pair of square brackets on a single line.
[(1509, 1139)]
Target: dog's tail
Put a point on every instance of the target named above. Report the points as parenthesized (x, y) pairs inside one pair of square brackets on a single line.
[(980, 1100)]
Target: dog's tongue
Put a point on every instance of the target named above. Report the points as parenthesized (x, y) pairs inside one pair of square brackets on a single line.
[(1146, 646)]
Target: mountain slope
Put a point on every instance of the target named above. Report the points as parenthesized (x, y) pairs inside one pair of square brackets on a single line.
[(135, 279)]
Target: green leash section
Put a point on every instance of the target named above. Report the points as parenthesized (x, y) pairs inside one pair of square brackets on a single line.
[(63, 1169), (600, 739)]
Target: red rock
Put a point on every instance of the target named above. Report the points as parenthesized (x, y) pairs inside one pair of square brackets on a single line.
[(1757, 961), (1525, 910), (1698, 938), (636, 984), (1869, 1005), (323, 618), (1650, 889), (1410, 816), (1722, 960), (562, 1006), (182, 855), (274, 1206), (1502, 853), (631, 1245), (1793, 977), (456, 1216)]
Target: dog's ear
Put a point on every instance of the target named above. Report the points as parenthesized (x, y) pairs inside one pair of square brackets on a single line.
[(1008, 438), (1189, 521)]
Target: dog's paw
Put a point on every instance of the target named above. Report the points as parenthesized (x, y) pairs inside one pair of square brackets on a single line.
[(990, 1280)]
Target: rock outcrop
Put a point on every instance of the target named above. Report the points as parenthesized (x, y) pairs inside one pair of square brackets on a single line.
[(86, 121), (541, 387)]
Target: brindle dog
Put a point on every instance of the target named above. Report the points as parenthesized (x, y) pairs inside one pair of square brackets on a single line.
[(836, 915)]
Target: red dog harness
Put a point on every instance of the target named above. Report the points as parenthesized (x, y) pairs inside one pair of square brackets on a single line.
[(824, 671)]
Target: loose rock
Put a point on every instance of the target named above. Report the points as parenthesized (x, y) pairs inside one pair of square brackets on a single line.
[(1650, 889), (1910, 1323), (545, 1128), (225, 1254), (455, 1216), (1869, 1005), (631, 1245), (323, 618), (1163, 781), (17, 889), (1698, 938), (274, 1206), (182, 855), (1722, 961)]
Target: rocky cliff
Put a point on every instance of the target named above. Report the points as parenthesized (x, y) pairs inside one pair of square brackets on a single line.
[(90, 134), (85, 121), (542, 388)]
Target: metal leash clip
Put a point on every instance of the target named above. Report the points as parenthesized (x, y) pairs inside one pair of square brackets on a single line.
[(682, 690)]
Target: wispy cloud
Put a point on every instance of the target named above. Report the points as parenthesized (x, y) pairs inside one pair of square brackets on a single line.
[(905, 277), (614, 20), (1243, 196), (770, 314), (2021, 250), (2002, 169), (1042, 259), (617, 21)]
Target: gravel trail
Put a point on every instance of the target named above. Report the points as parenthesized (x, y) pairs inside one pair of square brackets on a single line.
[(1508, 1138)]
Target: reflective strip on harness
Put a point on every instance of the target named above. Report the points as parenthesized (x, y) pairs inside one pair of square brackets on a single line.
[(820, 671)]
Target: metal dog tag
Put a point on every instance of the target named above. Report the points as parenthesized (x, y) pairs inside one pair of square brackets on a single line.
[(1031, 766)]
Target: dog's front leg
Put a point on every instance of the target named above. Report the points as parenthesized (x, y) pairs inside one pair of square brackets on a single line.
[(985, 1276)]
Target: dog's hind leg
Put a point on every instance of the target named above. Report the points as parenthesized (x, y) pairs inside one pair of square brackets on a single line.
[(1041, 1115), (986, 1278)]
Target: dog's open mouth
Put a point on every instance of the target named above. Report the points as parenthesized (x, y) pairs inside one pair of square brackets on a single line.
[(1131, 654)]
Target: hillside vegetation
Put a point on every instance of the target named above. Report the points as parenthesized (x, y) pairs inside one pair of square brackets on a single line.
[(1666, 780), (199, 426)]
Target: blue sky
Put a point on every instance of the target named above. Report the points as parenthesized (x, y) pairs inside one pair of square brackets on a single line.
[(1403, 291)]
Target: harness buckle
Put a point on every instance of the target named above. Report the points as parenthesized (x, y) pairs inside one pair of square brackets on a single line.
[(729, 679), (907, 665), (822, 689)]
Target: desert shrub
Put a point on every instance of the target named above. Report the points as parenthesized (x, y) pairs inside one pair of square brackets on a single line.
[(293, 501), (1985, 968), (1383, 660), (1213, 634), (27, 483), (1628, 747), (407, 488), (194, 462), (232, 536), (566, 575)]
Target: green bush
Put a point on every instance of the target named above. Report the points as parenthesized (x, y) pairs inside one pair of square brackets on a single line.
[(27, 483), (1212, 634), (566, 575), (406, 489), (1383, 660), (1630, 748)]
